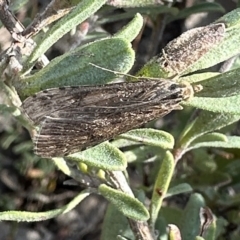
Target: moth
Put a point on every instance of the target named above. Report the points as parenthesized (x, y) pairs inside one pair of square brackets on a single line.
[(190, 46), (71, 119)]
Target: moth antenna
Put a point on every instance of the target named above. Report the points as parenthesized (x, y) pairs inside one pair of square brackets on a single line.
[(128, 75), (115, 72)]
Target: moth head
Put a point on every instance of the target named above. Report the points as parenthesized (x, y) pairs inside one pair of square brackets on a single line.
[(189, 90)]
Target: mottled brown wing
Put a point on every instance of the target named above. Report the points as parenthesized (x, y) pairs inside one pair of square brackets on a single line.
[(76, 118), (62, 136), (49, 101)]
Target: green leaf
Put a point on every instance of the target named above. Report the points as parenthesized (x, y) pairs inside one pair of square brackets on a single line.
[(114, 224), (161, 185), (104, 156), (123, 143), (73, 68), (190, 219), (81, 12), (210, 180), (208, 140), (232, 19), (62, 165), (205, 122), (22, 216), (222, 223), (228, 142), (151, 137), (198, 77), (198, 8), (232, 168), (129, 206), (226, 105), (132, 29), (17, 4), (171, 214), (204, 163), (210, 232), (143, 153), (221, 86), (223, 89), (162, 227), (180, 188), (230, 200), (4, 109), (152, 11), (138, 4), (211, 137)]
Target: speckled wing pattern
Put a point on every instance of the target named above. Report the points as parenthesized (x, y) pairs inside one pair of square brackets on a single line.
[(74, 118)]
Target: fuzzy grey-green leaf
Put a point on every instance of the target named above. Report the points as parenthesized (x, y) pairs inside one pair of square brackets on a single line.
[(198, 77), (132, 29), (198, 8), (151, 137), (205, 122), (190, 219), (209, 139), (104, 156), (74, 68), (114, 224), (226, 105), (22, 216), (129, 206), (81, 12), (178, 189), (161, 185), (222, 85), (229, 142)]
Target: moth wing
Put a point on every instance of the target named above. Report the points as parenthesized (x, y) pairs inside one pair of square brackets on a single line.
[(49, 101), (46, 102), (62, 135)]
